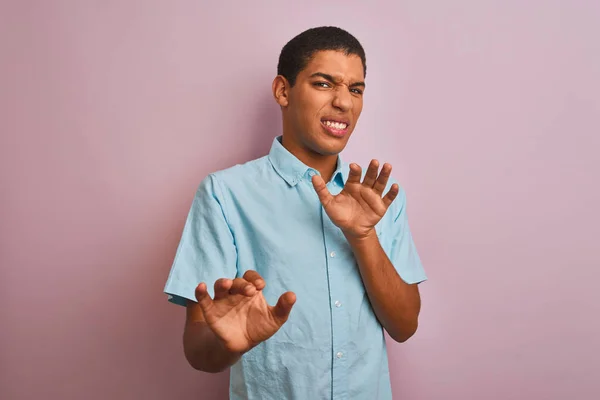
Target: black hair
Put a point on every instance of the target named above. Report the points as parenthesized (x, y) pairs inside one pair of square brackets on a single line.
[(296, 54)]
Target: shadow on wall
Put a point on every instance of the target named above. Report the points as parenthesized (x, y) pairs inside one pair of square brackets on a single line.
[(242, 142), (265, 128)]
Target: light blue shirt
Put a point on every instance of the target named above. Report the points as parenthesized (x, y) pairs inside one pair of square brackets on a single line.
[(265, 215)]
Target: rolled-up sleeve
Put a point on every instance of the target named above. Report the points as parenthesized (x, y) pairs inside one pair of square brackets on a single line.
[(206, 251)]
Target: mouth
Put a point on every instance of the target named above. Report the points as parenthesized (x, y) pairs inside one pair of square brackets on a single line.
[(336, 128)]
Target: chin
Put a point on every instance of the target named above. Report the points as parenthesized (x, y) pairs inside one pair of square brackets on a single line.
[(328, 146)]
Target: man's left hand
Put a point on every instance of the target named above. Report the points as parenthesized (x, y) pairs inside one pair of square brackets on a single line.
[(360, 205)]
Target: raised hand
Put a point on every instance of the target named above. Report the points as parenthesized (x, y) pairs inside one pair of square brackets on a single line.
[(360, 205), (239, 315)]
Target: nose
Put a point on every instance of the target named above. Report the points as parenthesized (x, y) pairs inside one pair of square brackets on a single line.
[(342, 99)]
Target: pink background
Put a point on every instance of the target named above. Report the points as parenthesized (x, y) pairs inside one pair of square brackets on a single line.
[(112, 112)]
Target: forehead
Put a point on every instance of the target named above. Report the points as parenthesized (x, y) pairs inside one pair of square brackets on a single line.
[(336, 64)]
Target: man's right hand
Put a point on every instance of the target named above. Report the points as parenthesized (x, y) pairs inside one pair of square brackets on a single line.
[(239, 315)]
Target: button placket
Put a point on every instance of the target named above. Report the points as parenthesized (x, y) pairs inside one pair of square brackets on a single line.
[(337, 260)]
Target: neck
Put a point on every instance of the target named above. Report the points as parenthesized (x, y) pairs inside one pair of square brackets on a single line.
[(325, 164)]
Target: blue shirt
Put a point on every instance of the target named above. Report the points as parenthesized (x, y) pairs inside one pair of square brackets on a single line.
[(265, 215)]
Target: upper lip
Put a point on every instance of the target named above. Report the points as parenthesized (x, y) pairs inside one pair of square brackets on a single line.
[(336, 119)]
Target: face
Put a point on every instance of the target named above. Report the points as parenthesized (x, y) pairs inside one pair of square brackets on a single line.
[(322, 109)]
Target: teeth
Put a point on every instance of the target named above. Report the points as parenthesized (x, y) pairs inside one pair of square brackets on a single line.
[(336, 125)]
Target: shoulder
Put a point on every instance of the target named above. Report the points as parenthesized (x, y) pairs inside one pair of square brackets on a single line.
[(224, 180), (248, 171)]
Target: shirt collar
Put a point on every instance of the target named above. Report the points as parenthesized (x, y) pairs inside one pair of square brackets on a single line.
[(292, 170)]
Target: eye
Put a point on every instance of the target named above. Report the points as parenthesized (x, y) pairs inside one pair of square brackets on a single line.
[(357, 91), (322, 84)]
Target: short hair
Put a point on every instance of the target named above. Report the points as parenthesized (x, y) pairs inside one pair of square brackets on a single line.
[(297, 53)]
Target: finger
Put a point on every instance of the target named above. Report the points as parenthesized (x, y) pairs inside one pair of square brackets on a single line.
[(382, 180), (284, 305), (222, 287), (321, 189), (371, 174), (355, 173), (203, 297), (375, 203), (391, 195), (242, 286), (255, 278)]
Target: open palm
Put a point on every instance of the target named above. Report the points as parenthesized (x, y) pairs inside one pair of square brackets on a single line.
[(239, 313), (360, 205)]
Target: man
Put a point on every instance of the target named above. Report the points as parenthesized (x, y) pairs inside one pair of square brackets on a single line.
[(325, 243)]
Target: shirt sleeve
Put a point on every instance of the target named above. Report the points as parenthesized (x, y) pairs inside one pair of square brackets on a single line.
[(206, 251), (403, 252)]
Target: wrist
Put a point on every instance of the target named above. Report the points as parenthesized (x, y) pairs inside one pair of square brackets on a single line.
[(364, 238)]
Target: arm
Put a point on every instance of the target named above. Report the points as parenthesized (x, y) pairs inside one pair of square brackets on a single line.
[(356, 210), (203, 350), (219, 329), (396, 303), (205, 253)]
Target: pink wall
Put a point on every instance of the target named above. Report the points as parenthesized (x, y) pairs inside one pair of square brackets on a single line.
[(112, 112)]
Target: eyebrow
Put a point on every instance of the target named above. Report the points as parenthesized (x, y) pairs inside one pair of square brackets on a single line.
[(331, 79)]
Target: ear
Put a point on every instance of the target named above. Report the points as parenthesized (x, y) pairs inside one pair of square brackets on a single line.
[(281, 90)]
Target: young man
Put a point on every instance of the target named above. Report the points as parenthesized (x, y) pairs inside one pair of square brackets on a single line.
[(298, 228)]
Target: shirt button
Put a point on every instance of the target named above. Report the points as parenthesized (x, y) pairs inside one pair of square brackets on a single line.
[(332, 254), (339, 354), (312, 173), (338, 303)]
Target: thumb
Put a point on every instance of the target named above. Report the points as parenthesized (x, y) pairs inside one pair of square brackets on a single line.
[(282, 309), (321, 189), (203, 297)]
